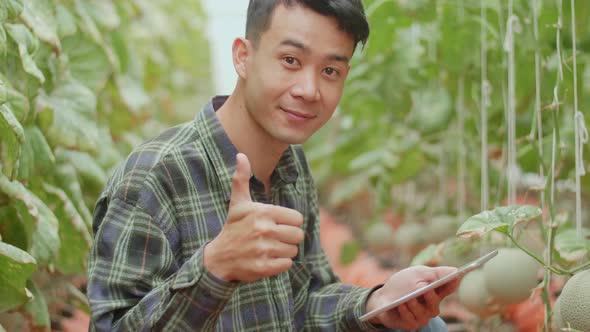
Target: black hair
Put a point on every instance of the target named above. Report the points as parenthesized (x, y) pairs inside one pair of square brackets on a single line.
[(349, 14)]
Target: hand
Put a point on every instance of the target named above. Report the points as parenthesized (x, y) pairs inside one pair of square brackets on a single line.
[(258, 240), (417, 312)]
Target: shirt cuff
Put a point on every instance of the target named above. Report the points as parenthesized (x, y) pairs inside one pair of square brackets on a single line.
[(359, 309), (193, 272)]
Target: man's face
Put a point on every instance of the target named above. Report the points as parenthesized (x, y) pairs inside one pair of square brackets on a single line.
[(295, 75)]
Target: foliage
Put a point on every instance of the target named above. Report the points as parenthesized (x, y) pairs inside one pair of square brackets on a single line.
[(81, 82), (410, 132), (398, 121)]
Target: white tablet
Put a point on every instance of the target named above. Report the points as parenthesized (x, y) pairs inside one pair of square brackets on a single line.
[(435, 284)]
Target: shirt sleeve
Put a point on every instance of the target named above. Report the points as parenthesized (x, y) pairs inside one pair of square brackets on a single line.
[(136, 283), (332, 305)]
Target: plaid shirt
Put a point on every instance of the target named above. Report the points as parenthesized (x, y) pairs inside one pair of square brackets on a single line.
[(158, 210)]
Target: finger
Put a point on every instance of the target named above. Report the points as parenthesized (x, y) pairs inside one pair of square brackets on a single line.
[(442, 271), (288, 234), (392, 319), (282, 250), (240, 185), (448, 288), (417, 309), (284, 216), (429, 274), (432, 302), (274, 266), (420, 312), (406, 316)]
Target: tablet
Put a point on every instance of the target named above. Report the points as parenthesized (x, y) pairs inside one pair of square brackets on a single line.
[(435, 284)]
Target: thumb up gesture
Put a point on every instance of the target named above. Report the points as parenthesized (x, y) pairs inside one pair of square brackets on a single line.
[(258, 240)]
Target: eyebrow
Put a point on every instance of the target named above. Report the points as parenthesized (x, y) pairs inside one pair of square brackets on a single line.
[(305, 49)]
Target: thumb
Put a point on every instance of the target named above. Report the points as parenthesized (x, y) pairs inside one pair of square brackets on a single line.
[(240, 184)]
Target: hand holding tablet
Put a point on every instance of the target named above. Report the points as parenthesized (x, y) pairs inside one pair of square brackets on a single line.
[(460, 272)]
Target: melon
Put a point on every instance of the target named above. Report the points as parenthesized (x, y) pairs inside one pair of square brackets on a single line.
[(474, 295), (379, 237), (511, 276), (574, 308)]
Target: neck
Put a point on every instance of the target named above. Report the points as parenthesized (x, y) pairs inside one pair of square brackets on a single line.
[(263, 151)]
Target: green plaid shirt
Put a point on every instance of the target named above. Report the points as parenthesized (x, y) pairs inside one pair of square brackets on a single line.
[(158, 210)]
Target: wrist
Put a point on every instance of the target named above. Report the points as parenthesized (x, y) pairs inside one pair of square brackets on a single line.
[(211, 262), (374, 302)]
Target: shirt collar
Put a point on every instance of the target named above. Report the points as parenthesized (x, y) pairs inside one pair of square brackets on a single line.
[(222, 152)]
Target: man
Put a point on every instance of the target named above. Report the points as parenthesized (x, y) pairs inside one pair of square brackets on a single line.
[(213, 225)]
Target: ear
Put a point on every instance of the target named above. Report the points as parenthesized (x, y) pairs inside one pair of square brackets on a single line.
[(241, 50)]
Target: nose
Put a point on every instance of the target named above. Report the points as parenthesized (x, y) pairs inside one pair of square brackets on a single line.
[(306, 87)]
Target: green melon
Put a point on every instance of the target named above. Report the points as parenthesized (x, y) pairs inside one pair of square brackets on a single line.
[(474, 295), (410, 235), (379, 236), (440, 228), (574, 301), (511, 276), (556, 320)]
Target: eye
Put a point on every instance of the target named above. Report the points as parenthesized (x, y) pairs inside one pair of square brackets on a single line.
[(290, 62), (331, 71)]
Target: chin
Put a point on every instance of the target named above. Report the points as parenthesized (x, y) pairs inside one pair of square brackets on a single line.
[(292, 139)]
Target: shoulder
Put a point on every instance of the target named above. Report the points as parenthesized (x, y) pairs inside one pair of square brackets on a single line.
[(151, 157)]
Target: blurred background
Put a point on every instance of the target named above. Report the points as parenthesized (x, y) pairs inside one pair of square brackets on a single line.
[(453, 108)]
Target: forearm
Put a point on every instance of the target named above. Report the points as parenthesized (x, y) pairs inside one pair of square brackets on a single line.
[(190, 299), (339, 306)]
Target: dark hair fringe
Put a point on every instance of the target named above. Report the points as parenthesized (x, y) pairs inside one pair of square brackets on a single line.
[(349, 14)]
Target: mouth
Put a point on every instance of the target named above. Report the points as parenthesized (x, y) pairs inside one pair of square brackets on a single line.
[(298, 114)]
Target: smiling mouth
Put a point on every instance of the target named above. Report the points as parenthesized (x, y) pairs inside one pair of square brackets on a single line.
[(298, 114)]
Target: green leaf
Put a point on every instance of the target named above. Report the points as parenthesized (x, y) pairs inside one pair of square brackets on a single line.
[(431, 109), (66, 22), (12, 229), (16, 266), (3, 40), (572, 246), (88, 62), (18, 103), (27, 46), (85, 166), (411, 163), (501, 219), (2, 328), (349, 252), (12, 137), (67, 128), (37, 308), (73, 96), (36, 156), (10, 9), (73, 231), (39, 16), (45, 242), (132, 93), (104, 13), (88, 25), (44, 158), (68, 181)]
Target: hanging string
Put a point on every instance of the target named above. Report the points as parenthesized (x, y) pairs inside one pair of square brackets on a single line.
[(461, 130), (581, 134), (538, 95), (511, 26), (485, 101), (558, 81), (462, 154)]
